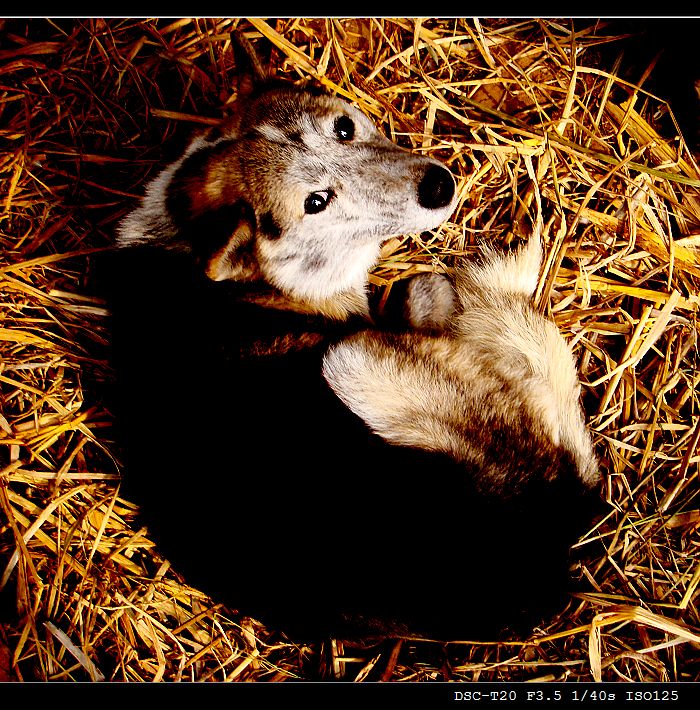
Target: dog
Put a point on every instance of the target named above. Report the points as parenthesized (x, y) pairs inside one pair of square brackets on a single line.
[(296, 457)]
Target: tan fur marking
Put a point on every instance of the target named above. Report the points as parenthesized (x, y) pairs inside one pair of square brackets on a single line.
[(339, 307), (226, 264)]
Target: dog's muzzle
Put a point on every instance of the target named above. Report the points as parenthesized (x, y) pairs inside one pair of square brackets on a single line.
[(436, 188)]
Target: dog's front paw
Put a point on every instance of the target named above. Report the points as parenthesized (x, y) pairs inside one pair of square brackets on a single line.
[(430, 302), (424, 302)]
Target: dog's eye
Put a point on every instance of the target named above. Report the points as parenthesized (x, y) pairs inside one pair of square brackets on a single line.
[(344, 128), (317, 201)]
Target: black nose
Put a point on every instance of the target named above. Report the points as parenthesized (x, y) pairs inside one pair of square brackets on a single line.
[(436, 188)]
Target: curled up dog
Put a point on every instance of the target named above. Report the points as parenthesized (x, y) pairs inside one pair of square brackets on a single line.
[(300, 461)]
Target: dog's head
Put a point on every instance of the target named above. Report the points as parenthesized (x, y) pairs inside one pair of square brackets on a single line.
[(298, 189)]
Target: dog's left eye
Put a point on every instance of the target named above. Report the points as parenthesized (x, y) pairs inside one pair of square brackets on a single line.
[(344, 128), (317, 201)]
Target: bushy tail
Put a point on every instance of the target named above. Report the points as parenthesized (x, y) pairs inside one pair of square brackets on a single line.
[(499, 326), (515, 272)]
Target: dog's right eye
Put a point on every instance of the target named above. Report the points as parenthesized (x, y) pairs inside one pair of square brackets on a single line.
[(317, 201)]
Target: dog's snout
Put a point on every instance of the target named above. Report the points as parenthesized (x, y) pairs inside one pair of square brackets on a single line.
[(436, 188)]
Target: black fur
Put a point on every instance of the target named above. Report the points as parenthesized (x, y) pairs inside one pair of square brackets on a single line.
[(265, 491), (269, 226)]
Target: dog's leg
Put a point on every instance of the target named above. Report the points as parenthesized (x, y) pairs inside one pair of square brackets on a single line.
[(426, 302), (430, 302)]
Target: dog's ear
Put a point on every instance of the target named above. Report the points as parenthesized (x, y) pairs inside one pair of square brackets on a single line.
[(233, 258), (222, 241), (251, 75), (251, 80), (213, 218)]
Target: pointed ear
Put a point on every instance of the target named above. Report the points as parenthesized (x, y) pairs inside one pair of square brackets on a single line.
[(214, 221), (222, 240), (250, 72), (253, 79), (235, 258)]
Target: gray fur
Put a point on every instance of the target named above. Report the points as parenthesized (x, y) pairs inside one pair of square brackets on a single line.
[(430, 302)]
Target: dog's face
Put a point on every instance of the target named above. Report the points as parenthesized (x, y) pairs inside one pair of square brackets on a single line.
[(298, 189)]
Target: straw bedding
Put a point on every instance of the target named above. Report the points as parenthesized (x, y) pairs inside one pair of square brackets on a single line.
[(530, 116)]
